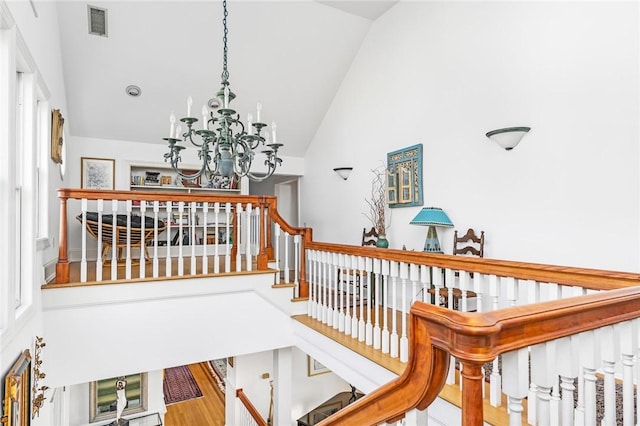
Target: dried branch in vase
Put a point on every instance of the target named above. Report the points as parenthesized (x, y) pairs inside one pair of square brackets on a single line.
[(378, 214)]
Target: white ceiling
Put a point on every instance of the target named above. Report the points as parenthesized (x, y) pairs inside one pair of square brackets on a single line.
[(291, 56)]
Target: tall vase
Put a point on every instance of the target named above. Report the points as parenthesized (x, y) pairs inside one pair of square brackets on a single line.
[(382, 241)]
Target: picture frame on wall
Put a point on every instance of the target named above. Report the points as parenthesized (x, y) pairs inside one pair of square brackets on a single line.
[(17, 392), (57, 136), (97, 173), (314, 367), (404, 181)]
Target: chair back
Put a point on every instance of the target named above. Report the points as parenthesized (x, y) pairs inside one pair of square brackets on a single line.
[(469, 243), (369, 238)]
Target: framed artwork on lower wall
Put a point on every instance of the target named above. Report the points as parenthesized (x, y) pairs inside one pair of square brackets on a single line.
[(315, 367), (17, 392)]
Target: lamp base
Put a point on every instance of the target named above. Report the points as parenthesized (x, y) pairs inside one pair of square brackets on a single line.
[(432, 244)]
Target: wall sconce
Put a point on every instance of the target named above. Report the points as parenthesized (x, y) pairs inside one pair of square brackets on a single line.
[(343, 172), (508, 137)]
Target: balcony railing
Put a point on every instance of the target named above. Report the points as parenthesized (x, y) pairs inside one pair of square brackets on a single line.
[(572, 328)]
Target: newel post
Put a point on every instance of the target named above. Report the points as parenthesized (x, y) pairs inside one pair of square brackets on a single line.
[(472, 383), (263, 259), (304, 284), (62, 267)]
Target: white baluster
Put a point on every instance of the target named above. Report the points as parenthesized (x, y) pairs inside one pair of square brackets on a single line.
[(610, 353), (276, 243), (377, 338), (341, 289), (311, 258), (495, 391), (543, 374), (625, 337), (586, 413), (286, 257), (167, 261), (385, 269), (368, 331), (567, 362), (437, 277), (227, 242), (362, 278), (336, 289), (156, 221), (143, 231), (205, 237), (426, 282), (394, 315), (296, 262), (83, 261), (238, 243), (248, 238), (464, 288), (348, 262), (128, 204), (192, 235), (354, 297), (114, 240), (449, 281), (515, 369), (330, 286), (404, 341), (479, 290), (180, 238), (99, 260)]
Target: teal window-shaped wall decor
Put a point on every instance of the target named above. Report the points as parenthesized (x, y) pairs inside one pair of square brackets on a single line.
[(404, 177)]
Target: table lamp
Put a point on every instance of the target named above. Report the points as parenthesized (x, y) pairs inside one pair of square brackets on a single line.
[(432, 217)]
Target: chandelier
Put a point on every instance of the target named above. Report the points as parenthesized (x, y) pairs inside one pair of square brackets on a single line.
[(226, 146)]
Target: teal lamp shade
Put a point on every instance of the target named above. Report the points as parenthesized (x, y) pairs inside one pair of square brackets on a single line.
[(432, 217)]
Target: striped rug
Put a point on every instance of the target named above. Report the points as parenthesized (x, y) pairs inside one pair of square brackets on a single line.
[(179, 385)]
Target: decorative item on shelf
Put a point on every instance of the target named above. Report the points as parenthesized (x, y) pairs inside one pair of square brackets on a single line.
[(165, 180), (37, 390), (378, 214), (509, 137), (228, 150), (151, 178), (343, 172), (432, 217), (404, 177)]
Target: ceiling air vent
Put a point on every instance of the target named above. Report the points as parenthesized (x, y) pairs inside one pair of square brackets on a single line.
[(97, 20)]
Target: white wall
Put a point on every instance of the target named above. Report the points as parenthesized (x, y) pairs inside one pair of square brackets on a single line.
[(443, 74)]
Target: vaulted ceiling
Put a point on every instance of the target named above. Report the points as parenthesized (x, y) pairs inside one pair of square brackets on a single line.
[(289, 55)]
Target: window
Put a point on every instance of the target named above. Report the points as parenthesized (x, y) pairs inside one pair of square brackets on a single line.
[(103, 397)]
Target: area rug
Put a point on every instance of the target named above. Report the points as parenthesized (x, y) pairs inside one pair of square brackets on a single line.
[(218, 370), (179, 385)]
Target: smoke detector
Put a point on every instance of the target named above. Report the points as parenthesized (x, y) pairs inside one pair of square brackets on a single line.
[(133, 90)]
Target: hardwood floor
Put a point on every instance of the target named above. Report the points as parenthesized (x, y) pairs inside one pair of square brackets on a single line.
[(205, 411)]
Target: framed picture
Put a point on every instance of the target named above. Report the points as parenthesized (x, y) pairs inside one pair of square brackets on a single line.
[(17, 392), (57, 139), (404, 182), (103, 397), (315, 367), (98, 173)]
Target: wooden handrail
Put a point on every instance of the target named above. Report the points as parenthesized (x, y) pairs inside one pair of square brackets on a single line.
[(250, 408), (593, 279), (477, 338)]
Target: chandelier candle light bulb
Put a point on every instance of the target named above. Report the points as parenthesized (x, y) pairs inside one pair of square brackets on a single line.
[(178, 131), (258, 110), (273, 131), (189, 103), (172, 124), (249, 123), (205, 112)]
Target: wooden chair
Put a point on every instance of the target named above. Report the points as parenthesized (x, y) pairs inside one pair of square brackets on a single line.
[(469, 243), (369, 238)]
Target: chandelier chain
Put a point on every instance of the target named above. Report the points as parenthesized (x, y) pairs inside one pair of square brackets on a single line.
[(225, 72)]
